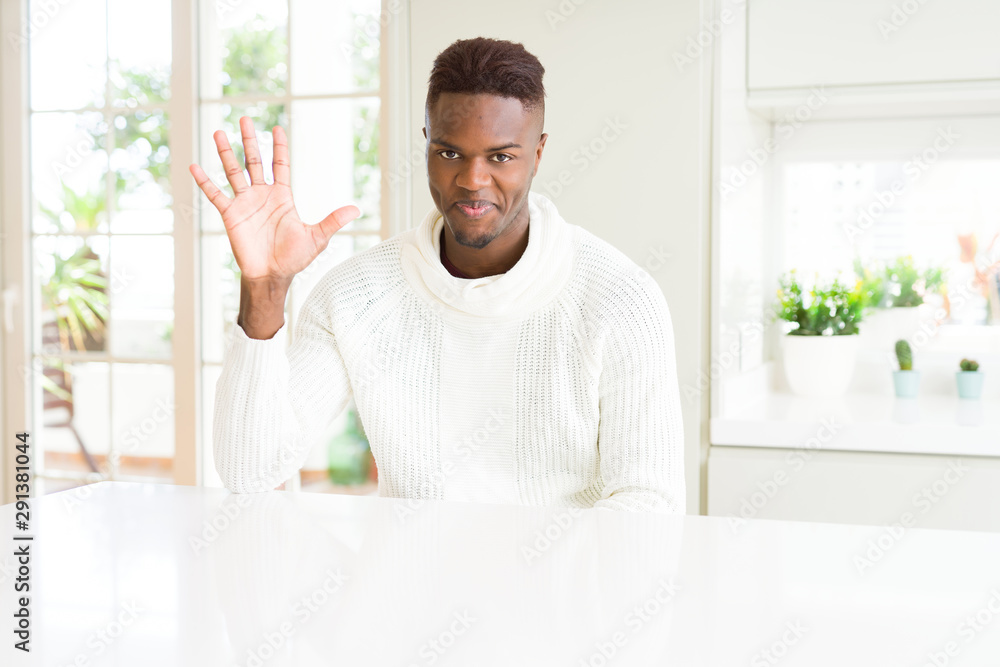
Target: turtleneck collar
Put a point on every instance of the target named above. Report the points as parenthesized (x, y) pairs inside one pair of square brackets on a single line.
[(538, 276)]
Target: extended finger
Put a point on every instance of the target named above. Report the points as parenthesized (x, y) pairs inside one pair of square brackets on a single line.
[(251, 151), (214, 194), (329, 225), (279, 164), (234, 172)]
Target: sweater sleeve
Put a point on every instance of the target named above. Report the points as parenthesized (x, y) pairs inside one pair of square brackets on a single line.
[(641, 432), (271, 404)]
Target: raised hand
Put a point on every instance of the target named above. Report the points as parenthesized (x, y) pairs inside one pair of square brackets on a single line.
[(269, 240)]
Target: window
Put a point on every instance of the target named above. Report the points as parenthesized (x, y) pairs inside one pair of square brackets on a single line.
[(101, 243), (846, 198), (852, 195), (945, 216), (324, 91), (108, 219)]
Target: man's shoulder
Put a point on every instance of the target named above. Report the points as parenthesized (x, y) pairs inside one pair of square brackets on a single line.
[(609, 277), (620, 300), (370, 268), (362, 278)]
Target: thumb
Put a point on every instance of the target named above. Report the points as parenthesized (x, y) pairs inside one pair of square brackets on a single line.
[(332, 223)]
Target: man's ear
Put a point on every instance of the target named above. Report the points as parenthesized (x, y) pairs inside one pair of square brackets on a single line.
[(538, 152), (424, 130)]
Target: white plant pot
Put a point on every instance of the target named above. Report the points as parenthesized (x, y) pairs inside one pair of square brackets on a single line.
[(873, 331), (903, 323), (882, 327), (819, 366)]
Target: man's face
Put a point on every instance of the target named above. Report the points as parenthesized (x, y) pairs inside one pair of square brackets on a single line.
[(482, 152)]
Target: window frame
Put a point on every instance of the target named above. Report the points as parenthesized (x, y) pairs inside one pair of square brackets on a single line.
[(191, 453)]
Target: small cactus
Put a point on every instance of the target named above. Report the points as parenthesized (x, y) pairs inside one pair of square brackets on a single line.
[(905, 355), (969, 365)]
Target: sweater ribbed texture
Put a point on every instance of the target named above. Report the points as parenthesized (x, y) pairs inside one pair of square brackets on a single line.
[(551, 384)]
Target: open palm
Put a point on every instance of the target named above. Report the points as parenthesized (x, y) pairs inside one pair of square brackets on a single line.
[(268, 238)]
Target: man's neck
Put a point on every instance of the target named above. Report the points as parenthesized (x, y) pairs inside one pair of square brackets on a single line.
[(498, 257)]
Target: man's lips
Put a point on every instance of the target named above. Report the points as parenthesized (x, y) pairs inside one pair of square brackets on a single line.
[(475, 210)]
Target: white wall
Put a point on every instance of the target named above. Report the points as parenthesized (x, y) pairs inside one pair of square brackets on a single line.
[(742, 156), (605, 61), (796, 44), (14, 255)]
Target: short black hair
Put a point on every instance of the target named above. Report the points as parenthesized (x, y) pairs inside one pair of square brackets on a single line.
[(492, 66)]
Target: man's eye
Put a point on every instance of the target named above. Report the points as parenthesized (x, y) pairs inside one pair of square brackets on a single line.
[(442, 154), (503, 155)]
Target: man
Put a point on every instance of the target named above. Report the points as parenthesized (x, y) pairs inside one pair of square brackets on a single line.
[(496, 353)]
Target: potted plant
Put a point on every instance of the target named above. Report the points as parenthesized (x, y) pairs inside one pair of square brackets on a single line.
[(970, 379), (872, 287), (906, 287), (906, 380), (819, 352), (348, 453), (75, 309), (76, 294), (875, 304)]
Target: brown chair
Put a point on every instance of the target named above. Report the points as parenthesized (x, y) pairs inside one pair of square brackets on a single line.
[(64, 380)]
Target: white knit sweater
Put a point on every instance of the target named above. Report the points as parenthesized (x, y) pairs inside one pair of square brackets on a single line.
[(552, 384)]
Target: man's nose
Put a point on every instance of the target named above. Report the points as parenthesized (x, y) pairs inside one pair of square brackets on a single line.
[(474, 175)]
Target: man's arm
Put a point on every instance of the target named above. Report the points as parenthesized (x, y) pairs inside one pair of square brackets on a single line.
[(641, 432), (262, 306), (269, 407), (271, 404)]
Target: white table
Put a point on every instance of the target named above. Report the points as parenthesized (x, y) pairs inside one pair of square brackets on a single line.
[(447, 583)]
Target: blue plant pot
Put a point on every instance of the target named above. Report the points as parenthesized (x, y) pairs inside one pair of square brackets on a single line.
[(970, 383), (906, 383)]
